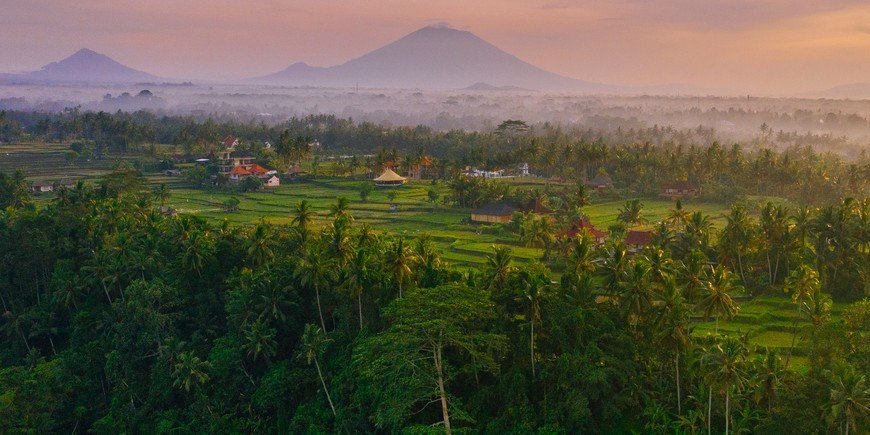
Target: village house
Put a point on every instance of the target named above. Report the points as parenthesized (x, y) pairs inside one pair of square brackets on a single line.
[(583, 224), (424, 170), (389, 179), (230, 142), (42, 187), (389, 164), (237, 165), (67, 183), (680, 189), (636, 240), (523, 169), (493, 214), (273, 181), (599, 182), (479, 173)]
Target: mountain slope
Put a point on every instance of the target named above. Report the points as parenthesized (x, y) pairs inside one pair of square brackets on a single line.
[(87, 66), (434, 58)]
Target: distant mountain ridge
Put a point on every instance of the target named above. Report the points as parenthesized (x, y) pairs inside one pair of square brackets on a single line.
[(434, 57), (85, 66), (857, 91)]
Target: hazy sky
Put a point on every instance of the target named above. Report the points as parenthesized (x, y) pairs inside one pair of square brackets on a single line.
[(763, 46)]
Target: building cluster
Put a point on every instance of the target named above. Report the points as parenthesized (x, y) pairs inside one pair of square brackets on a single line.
[(522, 170), (501, 213), (238, 165)]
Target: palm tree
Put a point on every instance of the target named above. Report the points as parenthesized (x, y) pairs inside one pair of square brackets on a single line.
[(803, 282), (498, 267), (312, 344), (767, 374), (303, 215), (260, 250), (314, 270), (725, 363), (673, 324), (356, 279), (533, 289), (635, 292), (340, 208), (849, 399), (398, 263), (259, 340), (580, 254), (737, 237), (718, 301), (189, 371), (677, 217), (631, 213), (161, 193)]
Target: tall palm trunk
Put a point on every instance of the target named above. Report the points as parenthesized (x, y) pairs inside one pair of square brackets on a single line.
[(679, 399), (325, 390), (727, 409), (709, 409), (439, 367), (793, 340), (359, 305), (532, 348), (319, 310)]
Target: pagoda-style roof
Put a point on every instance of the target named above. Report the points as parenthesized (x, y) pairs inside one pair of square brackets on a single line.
[(389, 176)]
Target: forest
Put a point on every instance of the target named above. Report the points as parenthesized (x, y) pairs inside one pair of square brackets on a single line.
[(117, 318)]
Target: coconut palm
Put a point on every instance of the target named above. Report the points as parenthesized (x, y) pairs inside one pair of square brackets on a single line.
[(718, 301), (673, 326), (260, 249), (398, 263), (341, 208), (314, 270), (737, 238), (726, 367), (849, 400), (189, 371), (356, 279), (631, 213), (303, 215), (312, 344), (534, 288), (498, 267), (635, 292)]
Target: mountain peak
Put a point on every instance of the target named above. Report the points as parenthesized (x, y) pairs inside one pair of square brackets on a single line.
[(87, 65), (433, 57)]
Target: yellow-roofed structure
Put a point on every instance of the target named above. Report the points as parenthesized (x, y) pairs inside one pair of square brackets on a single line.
[(390, 178)]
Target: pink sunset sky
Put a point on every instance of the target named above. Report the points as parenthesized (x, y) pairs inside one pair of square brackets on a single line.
[(764, 46)]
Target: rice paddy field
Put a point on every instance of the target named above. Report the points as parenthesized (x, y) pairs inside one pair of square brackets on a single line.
[(766, 320), (769, 321)]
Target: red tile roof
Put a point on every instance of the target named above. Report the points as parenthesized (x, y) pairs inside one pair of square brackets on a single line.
[(230, 140), (238, 170), (258, 170), (638, 238), (582, 224)]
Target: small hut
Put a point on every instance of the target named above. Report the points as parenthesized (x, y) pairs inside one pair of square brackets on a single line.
[(493, 213), (390, 178)]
